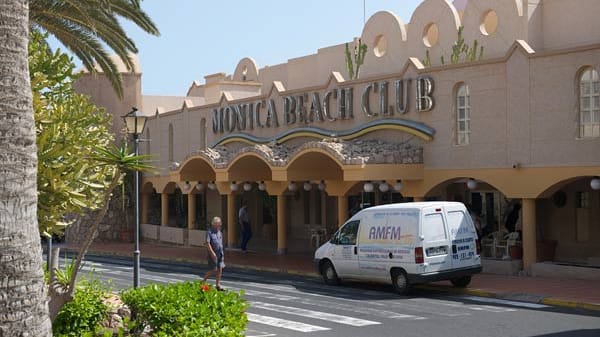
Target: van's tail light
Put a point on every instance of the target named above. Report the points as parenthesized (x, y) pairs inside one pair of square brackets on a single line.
[(419, 255), (478, 246)]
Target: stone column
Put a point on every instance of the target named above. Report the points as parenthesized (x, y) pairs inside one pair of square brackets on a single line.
[(281, 225), (232, 225), (191, 198), (164, 209), (145, 207), (529, 234), (342, 204)]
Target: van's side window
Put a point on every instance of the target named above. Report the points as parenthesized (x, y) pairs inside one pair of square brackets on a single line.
[(458, 224), (433, 227), (347, 234)]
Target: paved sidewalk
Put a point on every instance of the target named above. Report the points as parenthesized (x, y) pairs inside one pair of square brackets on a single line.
[(559, 292)]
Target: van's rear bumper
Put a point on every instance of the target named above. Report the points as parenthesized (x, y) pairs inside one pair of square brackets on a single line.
[(443, 275)]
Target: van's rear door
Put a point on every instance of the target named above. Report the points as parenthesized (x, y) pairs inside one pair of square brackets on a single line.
[(436, 247), (463, 237)]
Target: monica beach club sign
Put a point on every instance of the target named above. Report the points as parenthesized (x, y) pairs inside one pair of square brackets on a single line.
[(330, 106)]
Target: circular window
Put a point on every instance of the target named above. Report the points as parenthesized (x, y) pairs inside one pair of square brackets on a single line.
[(380, 46), (430, 35), (489, 23)]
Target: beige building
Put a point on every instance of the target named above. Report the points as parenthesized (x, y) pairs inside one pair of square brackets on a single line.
[(513, 118)]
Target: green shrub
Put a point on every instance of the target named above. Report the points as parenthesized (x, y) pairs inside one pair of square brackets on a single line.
[(186, 309), (83, 315)]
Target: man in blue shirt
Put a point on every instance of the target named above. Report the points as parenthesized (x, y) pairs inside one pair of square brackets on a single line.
[(216, 253)]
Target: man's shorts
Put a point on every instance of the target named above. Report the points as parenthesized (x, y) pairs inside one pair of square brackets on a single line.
[(213, 265)]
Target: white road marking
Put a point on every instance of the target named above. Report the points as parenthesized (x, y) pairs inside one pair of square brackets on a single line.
[(259, 334), (462, 305), (284, 323), (330, 305), (501, 301), (313, 314)]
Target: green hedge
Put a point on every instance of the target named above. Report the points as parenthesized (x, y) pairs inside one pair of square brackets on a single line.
[(83, 315), (186, 309)]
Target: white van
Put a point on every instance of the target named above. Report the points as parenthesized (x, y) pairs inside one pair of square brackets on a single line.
[(403, 244)]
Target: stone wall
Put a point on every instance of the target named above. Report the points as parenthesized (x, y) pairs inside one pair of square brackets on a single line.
[(117, 224)]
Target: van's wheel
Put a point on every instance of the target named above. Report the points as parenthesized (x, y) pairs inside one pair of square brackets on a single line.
[(400, 282), (461, 282), (329, 274)]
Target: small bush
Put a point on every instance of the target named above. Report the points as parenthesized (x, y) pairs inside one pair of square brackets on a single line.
[(186, 309), (83, 315)]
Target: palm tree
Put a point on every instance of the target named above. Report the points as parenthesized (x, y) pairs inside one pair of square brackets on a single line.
[(83, 26), (23, 307), (122, 162)]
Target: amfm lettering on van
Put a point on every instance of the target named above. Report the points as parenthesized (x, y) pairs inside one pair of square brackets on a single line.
[(398, 228)]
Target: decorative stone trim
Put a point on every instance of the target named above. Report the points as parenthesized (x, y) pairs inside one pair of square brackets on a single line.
[(354, 152)]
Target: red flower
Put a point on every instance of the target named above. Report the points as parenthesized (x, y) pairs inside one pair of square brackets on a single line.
[(205, 287)]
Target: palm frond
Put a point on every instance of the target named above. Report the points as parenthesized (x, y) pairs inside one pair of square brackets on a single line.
[(83, 25), (119, 157)]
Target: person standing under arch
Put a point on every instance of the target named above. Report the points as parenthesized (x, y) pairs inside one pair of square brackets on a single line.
[(245, 226)]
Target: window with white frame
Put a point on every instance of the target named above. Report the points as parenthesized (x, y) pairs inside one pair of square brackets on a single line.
[(463, 115), (589, 104), (170, 142)]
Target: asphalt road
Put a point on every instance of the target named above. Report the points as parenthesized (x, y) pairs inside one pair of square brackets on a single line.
[(294, 306)]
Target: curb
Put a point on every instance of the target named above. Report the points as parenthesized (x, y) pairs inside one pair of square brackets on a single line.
[(571, 304), (203, 262), (483, 293)]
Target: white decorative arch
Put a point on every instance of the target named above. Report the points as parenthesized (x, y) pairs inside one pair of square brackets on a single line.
[(391, 54), (246, 70)]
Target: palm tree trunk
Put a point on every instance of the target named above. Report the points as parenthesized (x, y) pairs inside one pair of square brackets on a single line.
[(23, 301)]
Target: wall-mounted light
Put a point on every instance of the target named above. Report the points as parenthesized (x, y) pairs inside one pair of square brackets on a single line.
[(233, 186), (199, 186), (368, 186), (186, 186), (211, 185), (247, 186), (471, 184), (595, 183), (398, 185), (292, 186), (384, 187), (307, 186), (261, 186), (322, 185)]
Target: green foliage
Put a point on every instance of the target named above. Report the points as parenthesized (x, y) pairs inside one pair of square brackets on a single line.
[(69, 129), (186, 309), (459, 48), (83, 315), (355, 59), (63, 276), (87, 27), (427, 60)]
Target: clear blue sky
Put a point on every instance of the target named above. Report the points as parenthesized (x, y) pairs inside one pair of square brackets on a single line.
[(199, 38)]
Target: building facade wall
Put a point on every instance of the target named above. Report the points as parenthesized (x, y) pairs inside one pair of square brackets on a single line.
[(524, 121)]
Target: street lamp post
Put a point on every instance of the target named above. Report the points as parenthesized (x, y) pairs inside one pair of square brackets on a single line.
[(135, 123)]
